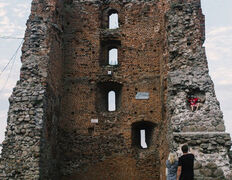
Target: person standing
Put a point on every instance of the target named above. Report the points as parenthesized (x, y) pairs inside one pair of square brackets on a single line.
[(172, 164), (185, 165)]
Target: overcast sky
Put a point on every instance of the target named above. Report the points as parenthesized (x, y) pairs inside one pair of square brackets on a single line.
[(14, 13)]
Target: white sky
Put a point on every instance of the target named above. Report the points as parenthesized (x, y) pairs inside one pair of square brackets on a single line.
[(14, 13)]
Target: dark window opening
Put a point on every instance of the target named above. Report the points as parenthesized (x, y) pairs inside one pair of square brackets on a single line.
[(108, 96), (142, 133), (110, 18), (110, 52)]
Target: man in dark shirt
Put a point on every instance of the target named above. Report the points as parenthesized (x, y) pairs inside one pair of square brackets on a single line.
[(185, 165)]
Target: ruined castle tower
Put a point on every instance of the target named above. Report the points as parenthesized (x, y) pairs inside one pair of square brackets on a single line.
[(103, 93)]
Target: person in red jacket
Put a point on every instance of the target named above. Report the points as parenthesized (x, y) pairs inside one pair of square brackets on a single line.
[(194, 102)]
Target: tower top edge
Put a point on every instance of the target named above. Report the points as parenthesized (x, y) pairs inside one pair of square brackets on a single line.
[(108, 1)]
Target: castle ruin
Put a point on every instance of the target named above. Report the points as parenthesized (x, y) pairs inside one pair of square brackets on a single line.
[(60, 122)]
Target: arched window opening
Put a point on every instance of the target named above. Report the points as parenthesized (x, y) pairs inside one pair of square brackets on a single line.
[(110, 52), (108, 96), (143, 139), (142, 134), (113, 56), (113, 20), (111, 101)]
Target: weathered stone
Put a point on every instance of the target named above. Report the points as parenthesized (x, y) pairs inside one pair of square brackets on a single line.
[(204, 146), (197, 165), (206, 172), (220, 141), (220, 127), (211, 165), (218, 173), (197, 173)]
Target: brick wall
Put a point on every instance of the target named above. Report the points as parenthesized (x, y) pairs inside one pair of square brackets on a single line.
[(107, 146)]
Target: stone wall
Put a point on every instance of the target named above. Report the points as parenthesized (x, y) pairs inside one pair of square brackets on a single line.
[(29, 143), (202, 129)]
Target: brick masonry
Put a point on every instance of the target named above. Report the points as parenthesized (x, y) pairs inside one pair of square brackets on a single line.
[(140, 40), (58, 123)]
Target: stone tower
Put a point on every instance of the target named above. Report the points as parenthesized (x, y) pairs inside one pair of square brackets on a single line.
[(103, 93)]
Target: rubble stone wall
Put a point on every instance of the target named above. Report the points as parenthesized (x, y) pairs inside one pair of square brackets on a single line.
[(28, 145), (202, 129)]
